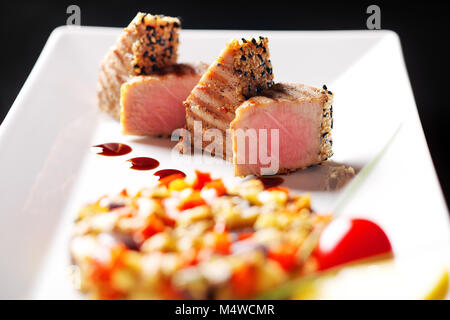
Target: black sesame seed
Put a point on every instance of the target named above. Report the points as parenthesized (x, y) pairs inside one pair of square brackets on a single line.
[(243, 58), (244, 41), (329, 92), (325, 87), (152, 58), (253, 41)]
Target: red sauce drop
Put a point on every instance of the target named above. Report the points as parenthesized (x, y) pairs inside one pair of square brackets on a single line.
[(113, 149), (271, 182), (344, 241), (168, 172), (143, 163)]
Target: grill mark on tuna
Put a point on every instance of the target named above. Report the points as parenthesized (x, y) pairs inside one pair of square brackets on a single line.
[(210, 102), (209, 118), (229, 81), (214, 94)]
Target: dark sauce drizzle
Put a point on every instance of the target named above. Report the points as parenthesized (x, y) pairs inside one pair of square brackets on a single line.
[(143, 163), (168, 172), (113, 149), (271, 182)]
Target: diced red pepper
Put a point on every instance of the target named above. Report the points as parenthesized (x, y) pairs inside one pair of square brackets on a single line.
[(168, 292), (192, 201), (166, 180), (102, 272), (218, 186), (245, 235), (189, 257), (243, 281), (285, 255), (201, 179), (222, 243), (124, 192), (154, 225), (168, 221)]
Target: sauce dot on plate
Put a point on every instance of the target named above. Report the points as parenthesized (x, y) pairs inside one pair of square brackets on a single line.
[(113, 149), (143, 163), (168, 172), (271, 182)]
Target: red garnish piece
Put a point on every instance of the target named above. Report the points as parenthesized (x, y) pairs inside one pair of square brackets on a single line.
[(169, 292), (102, 272), (285, 255), (154, 226), (124, 193), (345, 241), (218, 186), (168, 221), (245, 235), (243, 281), (201, 179), (222, 243), (189, 257), (168, 179), (192, 201)]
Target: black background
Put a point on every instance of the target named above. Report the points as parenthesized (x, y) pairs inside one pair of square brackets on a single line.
[(422, 27)]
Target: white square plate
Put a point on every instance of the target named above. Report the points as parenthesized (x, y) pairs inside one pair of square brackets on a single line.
[(47, 170)]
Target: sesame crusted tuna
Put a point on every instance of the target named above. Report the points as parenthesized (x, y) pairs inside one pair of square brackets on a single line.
[(302, 116), (242, 70), (149, 43)]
